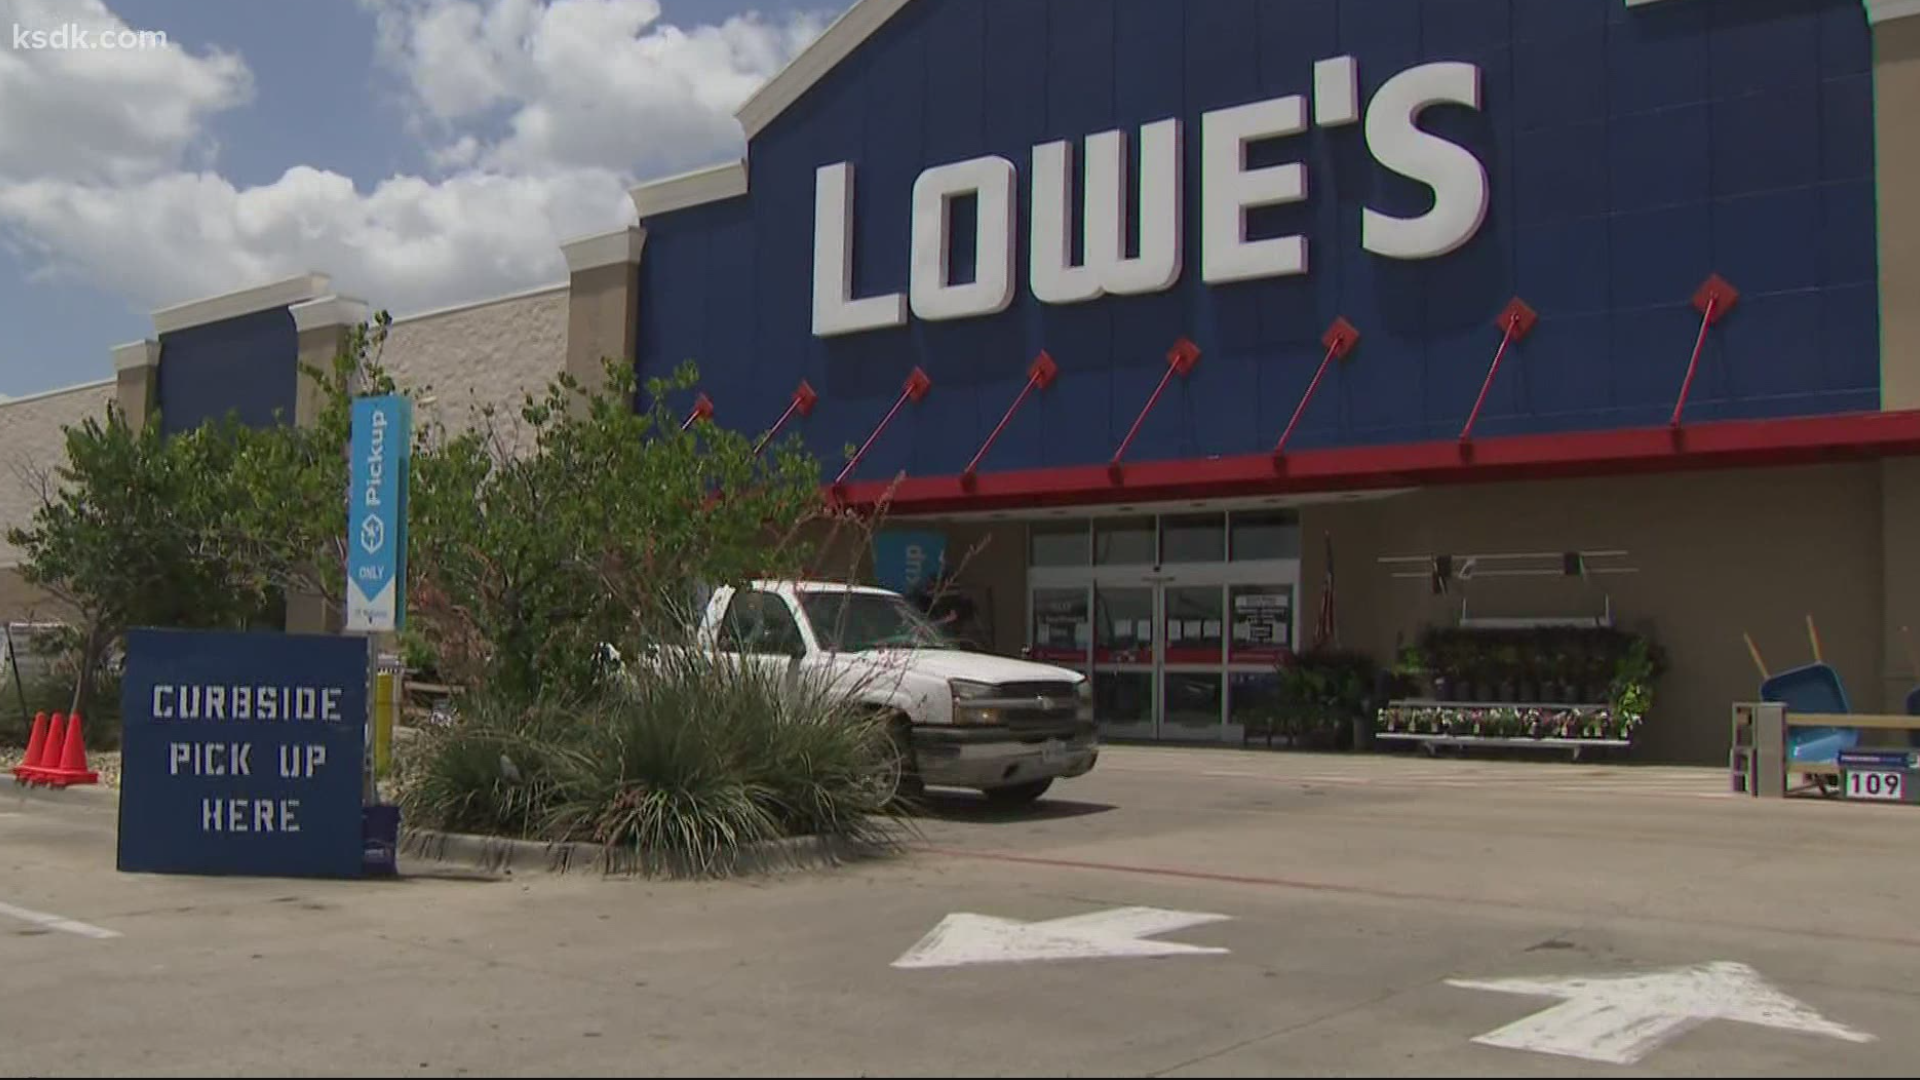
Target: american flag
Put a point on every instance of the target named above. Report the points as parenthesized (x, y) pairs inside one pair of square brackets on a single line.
[(1326, 630)]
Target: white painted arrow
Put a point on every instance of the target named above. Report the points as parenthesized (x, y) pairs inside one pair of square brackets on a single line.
[(962, 939), (1621, 1019)]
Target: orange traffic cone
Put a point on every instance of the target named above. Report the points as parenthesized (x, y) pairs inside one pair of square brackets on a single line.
[(71, 767), (49, 753), (36, 748)]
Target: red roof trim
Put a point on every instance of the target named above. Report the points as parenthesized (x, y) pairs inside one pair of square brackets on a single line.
[(1724, 444)]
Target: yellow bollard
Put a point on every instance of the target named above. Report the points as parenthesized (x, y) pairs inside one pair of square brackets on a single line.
[(386, 685)]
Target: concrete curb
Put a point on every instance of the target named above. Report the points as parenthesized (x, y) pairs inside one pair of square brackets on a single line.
[(90, 794), (502, 855)]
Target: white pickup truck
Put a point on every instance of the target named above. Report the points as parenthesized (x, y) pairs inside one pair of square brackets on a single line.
[(1008, 728)]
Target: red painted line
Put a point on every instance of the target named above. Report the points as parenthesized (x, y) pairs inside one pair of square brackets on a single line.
[(1208, 875), (1396, 894)]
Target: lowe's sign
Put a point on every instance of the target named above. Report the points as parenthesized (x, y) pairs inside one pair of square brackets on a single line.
[(1229, 189), (377, 514)]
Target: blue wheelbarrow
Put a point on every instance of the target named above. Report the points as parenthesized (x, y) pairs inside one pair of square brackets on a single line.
[(1812, 688)]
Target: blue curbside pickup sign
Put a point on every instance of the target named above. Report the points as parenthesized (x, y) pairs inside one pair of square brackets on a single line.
[(242, 754)]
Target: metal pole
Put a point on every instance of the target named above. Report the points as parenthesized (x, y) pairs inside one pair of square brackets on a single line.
[(1299, 410), (19, 689), (1693, 365), (974, 465), (1513, 327)]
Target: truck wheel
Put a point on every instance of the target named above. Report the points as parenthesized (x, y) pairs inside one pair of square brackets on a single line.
[(1016, 795), (904, 770)]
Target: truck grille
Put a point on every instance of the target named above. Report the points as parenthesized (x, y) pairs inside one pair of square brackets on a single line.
[(1060, 712)]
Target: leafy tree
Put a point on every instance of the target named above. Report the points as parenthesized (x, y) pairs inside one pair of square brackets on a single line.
[(203, 529), (534, 539), (286, 524), (127, 534), (597, 524)]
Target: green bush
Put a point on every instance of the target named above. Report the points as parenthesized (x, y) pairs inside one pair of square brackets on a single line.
[(1548, 662), (481, 774), (52, 692), (677, 770)]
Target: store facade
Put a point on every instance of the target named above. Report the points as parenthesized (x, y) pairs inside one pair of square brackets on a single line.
[(1162, 321), (1172, 303)]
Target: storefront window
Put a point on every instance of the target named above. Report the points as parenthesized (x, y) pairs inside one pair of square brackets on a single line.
[(1062, 631), (1194, 624), (1127, 542), (1262, 623), (1124, 631), (1193, 700), (1253, 699), (1059, 545), (1198, 539), (1268, 534)]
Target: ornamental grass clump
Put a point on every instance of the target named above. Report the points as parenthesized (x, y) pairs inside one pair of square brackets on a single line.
[(682, 768)]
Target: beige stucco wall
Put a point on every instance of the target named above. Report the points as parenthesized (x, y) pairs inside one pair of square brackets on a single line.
[(31, 443), (21, 602), (1717, 553), (491, 353), (605, 318), (1900, 539)]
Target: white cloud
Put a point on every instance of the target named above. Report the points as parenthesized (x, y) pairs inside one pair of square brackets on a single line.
[(408, 243), (597, 83), (542, 116), (103, 115)]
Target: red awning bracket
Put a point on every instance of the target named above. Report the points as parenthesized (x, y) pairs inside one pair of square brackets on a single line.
[(1180, 361), (1040, 375), (1516, 321), (1715, 298), (1340, 340), (803, 402), (702, 410), (914, 390)]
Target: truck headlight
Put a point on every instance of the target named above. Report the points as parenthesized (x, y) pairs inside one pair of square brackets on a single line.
[(970, 715), (1083, 700)]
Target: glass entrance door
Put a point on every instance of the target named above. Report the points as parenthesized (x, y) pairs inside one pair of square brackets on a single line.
[(1195, 636), (1182, 634), (1226, 630), (1171, 659), (1126, 661)]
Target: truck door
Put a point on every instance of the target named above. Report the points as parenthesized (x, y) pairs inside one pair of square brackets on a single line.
[(760, 629)]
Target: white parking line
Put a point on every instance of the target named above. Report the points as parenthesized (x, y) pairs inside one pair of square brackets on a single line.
[(55, 922)]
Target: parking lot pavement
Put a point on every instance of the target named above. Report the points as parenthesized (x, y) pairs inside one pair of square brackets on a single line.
[(1310, 914)]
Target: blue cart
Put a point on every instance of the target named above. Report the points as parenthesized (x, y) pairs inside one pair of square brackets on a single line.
[(1812, 688)]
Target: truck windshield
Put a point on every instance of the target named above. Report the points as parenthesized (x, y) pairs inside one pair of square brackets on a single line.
[(862, 622)]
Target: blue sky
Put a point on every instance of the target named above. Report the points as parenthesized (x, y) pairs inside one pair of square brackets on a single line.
[(423, 152)]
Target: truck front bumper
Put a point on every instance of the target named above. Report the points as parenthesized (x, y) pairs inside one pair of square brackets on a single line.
[(985, 758)]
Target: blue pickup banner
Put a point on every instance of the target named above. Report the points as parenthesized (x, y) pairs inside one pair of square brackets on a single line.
[(903, 560), (242, 754), (377, 514)]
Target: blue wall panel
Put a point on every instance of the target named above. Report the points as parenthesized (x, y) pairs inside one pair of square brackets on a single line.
[(1630, 153), (248, 366)]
